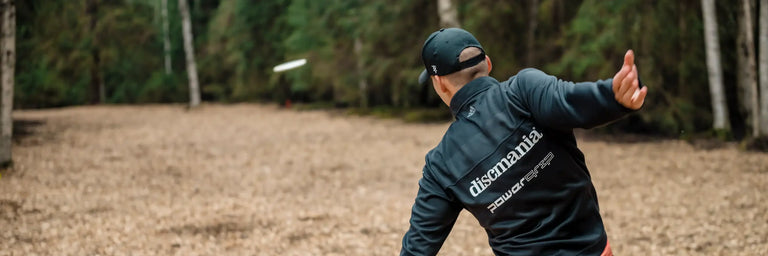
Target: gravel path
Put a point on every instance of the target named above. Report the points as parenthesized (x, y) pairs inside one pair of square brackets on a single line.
[(259, 180)]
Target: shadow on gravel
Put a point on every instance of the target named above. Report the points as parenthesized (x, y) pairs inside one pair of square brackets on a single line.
[(759, 144), (216, 229), (24, 128)]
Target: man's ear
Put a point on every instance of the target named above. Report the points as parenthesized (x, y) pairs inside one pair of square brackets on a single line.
[(439, 84), (490, 65)]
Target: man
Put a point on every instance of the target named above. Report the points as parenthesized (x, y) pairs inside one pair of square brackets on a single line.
[(510, 158)]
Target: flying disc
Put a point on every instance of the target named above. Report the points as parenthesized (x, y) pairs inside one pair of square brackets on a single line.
[(289, 65)]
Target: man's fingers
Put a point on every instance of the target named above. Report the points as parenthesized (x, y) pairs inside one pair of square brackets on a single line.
[(633, 93), (626, 67), (626, 83), (622, 73), (629, 58), (618, 78), (637, 101)]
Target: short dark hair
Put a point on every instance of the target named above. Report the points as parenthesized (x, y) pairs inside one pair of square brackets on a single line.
[(464, 76)]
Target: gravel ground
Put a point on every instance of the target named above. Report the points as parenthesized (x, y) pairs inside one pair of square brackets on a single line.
[(259, 180)]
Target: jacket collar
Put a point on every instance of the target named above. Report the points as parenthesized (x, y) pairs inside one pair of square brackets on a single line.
[(468, 91)]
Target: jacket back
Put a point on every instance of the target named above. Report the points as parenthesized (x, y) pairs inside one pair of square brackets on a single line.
[(508, 161)]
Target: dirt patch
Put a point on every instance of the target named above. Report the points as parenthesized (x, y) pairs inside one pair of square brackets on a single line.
[(260, 180), (9, 209), (215, 229)]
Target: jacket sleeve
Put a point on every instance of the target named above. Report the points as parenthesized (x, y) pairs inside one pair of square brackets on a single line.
[(432, 218), (562, 104)]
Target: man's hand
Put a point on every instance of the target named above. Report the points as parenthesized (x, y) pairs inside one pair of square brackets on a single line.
[(625, 84)]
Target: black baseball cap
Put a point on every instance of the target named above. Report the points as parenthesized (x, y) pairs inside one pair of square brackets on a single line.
[(442, 49)]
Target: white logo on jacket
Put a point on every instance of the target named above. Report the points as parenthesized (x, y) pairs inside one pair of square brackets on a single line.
[(533, 173), (479, 184), (471, 111)]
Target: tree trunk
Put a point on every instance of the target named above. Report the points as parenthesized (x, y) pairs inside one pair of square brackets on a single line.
[(560, 7), (362, 83), (7, 70), (716, 90), (166, 36), (747, 78), (194, 88), (763, 41), (532, 24), (449, 16), (682, 45), (97, 86)]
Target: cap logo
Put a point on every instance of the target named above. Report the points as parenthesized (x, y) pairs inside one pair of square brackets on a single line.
[(434, 69), (471, 111)]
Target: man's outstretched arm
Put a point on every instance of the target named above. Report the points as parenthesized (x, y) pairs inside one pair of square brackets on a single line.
[(432, 218), (566, 105)]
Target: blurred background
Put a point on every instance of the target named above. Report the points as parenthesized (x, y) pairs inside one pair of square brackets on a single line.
[(364, 55), (107, 160)]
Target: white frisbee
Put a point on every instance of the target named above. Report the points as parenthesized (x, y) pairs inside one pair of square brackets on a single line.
[(289, 65)]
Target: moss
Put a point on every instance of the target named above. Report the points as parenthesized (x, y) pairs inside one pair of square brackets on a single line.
[(759, 144), (723, 135)]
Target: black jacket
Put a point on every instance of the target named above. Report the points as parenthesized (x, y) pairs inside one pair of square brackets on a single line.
[(510, 159)]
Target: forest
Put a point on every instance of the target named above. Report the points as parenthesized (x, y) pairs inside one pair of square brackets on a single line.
[(162, 127), (704, 61)]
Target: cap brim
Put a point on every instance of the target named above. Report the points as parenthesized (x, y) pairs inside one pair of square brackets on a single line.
[(423, 77)]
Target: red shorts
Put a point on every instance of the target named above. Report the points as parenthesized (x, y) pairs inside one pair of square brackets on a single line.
[(607, 251)]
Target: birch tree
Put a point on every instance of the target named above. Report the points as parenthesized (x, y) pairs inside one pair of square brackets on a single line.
[(716, 89), (449, 16), (7, 68), (186, 23), (763, 41), (166, 36), (747, 78)]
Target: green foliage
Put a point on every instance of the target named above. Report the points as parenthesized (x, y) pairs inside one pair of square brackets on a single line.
[(162, 88), (60, 54), (668, 42), (243, 41), (64, 56)]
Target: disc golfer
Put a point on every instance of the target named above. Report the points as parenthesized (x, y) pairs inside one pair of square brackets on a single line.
[(510, 157)]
